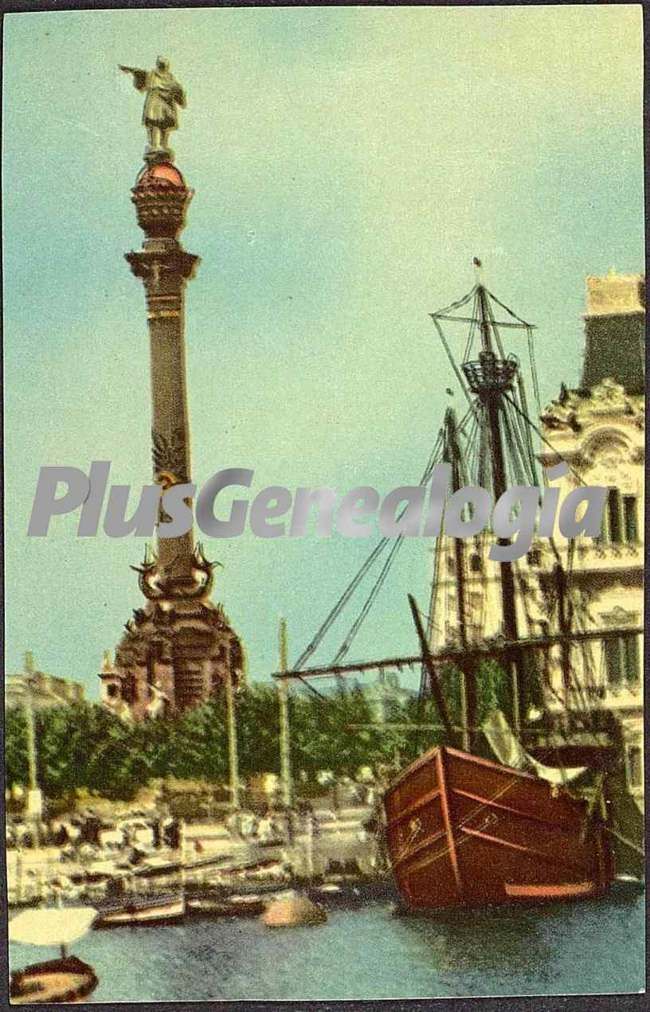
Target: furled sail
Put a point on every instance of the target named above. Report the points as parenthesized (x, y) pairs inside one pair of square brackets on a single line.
[(509, 751), (51, 925)]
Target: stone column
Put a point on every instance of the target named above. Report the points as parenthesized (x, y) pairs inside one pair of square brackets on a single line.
[(161, 197), (179, 648)]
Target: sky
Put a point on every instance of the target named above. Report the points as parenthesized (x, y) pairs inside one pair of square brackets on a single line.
[(348, 164)]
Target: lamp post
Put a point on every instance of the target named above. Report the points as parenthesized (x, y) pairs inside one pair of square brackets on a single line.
[(34, 807), (285, 740), (233, 757)]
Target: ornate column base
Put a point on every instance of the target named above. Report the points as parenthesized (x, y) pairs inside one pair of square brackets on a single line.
[(177, 651)]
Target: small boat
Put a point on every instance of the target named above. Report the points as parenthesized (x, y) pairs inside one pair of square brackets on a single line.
[(226, 906), (141, 911), (217, 901), (293, 910), (247, 905), (156, 865), (210, 906), (66, 979)]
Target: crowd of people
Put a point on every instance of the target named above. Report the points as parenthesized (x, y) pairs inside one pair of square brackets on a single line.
[(86, 833)]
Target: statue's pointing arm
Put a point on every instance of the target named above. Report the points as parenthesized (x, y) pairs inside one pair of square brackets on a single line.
[(139, 76)]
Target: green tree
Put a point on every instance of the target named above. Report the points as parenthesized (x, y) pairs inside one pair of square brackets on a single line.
[(66, 738), (198, 746), (16, 765)]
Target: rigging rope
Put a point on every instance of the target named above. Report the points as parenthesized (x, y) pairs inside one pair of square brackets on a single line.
[(525, 428), (511, 434), (495, 329), (345, 596), (459, 376), (533, 369), (508, 310), (544, 439), (362, 571), (472, 331), (370, 600), (358, 622), (455, 305), (520, 460)]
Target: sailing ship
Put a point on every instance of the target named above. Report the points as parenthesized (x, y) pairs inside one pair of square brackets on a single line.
[(479, 819), (462, 828), (65, 979)]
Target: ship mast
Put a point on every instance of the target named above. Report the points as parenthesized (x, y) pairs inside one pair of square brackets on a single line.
[(492, 386), (490, 378), (467, 672)]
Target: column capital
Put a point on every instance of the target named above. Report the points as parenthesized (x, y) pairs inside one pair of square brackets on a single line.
[(161, 267)]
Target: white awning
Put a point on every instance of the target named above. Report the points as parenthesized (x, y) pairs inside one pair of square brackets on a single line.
[(51, 925)]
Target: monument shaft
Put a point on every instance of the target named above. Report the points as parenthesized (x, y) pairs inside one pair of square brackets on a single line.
[(170, 438), (164, 274), (179, 649)]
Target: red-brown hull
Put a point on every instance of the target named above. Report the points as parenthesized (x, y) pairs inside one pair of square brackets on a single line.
[(67, 980), (465, 831)]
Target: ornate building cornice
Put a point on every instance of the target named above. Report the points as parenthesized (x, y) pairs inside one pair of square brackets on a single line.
[(575, 410)]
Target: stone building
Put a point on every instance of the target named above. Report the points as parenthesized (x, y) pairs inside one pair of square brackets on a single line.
[(45, 691), (598, 429), (615, 332)]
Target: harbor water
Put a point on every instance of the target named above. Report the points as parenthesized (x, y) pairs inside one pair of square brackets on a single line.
[(371, 952)]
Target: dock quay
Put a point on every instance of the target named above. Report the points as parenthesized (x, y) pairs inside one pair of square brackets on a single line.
[(210, 864)]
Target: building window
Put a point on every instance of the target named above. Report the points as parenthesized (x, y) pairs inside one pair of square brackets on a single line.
[(635, 766), (630, 519), (475, 564), (620, 520), (614, 528), (631, 659), (111, 690), (613, 663), (622, 661)]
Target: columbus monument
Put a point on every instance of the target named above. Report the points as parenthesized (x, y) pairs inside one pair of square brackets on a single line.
[(179, 648)]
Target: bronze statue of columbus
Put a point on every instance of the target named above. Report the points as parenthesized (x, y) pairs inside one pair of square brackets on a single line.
[(159, 116)]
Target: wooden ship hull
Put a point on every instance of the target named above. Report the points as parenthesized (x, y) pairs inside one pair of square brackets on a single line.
[(465, 831), (142, 912), (68, 980)]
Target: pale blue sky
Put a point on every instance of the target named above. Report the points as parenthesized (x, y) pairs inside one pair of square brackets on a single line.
[(348, 164)]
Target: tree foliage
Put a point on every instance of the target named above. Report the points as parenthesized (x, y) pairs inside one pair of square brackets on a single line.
[(85, 746)]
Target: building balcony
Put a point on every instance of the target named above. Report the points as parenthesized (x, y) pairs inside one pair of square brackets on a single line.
[(623, 697), (590, 556), (591, 551)]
